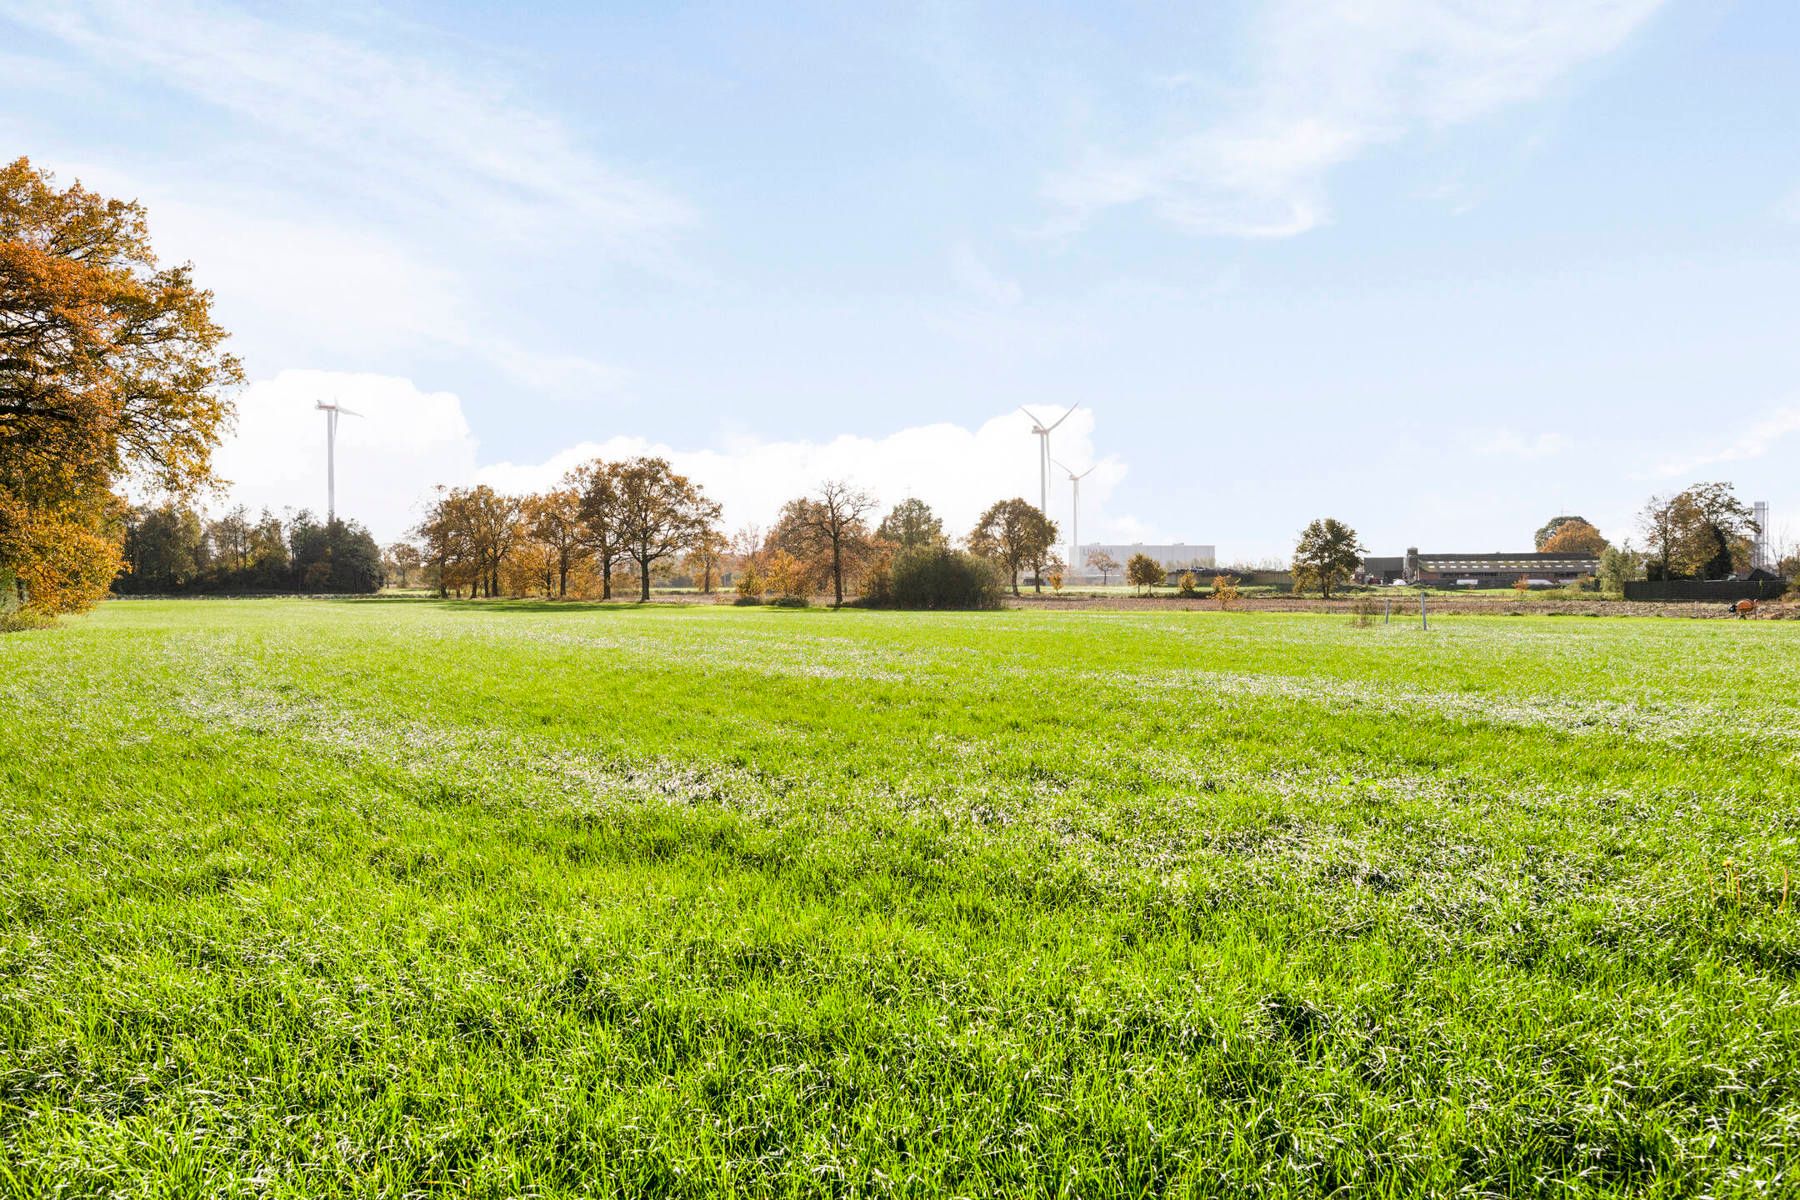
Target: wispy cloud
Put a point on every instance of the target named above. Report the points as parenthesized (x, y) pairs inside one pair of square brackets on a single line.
[(401, 128), (1329, 81), (1753, 441)]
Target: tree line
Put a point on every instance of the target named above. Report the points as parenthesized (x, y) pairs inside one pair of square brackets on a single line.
[(639, 520), (169, 548)]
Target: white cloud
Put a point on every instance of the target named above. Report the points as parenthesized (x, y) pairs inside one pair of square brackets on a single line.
[(957, 470), (1754, 441), (403, 443), (407, 442), (1331, 80)]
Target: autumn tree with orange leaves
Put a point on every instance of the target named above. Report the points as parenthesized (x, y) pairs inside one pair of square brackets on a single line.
[(111, 367)]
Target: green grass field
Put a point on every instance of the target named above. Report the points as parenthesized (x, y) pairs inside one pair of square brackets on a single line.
[(398, 898)]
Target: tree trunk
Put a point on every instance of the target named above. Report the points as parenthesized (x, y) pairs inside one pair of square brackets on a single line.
[(605, 578), (837, 572), (643, 582)]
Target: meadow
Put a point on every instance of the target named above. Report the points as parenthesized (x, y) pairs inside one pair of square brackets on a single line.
[(399, 897)]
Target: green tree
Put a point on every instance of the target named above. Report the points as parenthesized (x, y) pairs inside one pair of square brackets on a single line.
[(1619, 565), (911, 524), (1326, 556), (1013, 534), (1144, 573), (162, 549), (1703, 531)]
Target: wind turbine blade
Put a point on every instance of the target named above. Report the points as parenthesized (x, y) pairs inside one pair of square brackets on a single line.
[(1066, 415), (348, 412), (1089, 471), (1036, 425)]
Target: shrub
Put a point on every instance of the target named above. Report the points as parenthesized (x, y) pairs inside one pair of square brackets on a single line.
[(1190, 584), (930, 577), (748, 600), (1225, 590), (21, 619), (790, 602)]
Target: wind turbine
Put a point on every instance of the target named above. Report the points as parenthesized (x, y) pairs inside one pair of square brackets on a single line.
[(332, 412), (1075, 524), (1043, 432)]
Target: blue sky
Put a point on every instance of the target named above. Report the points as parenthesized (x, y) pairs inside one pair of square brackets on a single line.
[(1440, 269)]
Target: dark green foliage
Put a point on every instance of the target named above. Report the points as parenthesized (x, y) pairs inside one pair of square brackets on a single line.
[(936, 577), (171, 550)]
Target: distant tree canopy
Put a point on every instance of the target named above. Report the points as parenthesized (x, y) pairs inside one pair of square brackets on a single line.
[(1014, 535), (911, 524), (1554, 525), (1103, 562), (109, 367), (1573, 535), (1143, 572), (570, 540), (170, 549), (1701, 532), (828, 528), (660, 513), (1326, 556)]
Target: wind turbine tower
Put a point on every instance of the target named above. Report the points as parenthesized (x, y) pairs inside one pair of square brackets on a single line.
[(1760, 558), (332, 412), (1075, 522), (1043, 433)]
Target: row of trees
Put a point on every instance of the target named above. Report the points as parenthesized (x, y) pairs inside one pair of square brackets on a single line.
[(170, 549), (641, 518), (1700, 532), (572, 539)]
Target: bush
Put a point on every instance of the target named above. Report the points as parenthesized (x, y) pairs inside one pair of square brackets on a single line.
[(790, 602), (748, 600), (21, 619), (1225, 590), (930, 577), (1190, 584)]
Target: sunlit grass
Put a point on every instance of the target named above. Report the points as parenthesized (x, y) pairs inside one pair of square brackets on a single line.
[(398, 897)]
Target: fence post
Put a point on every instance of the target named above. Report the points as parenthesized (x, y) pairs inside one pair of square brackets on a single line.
[(1424, 621), (1387, 609)]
